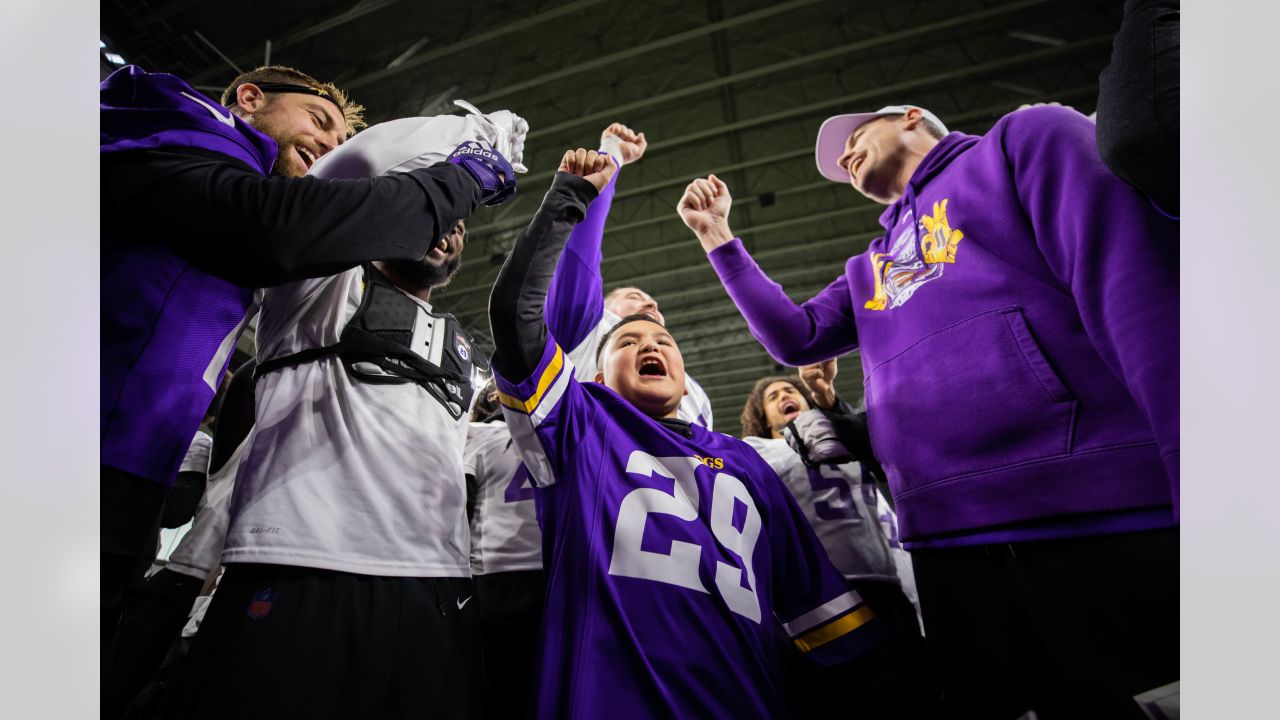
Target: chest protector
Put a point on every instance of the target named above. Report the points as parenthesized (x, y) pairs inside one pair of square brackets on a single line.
[(392, 339)]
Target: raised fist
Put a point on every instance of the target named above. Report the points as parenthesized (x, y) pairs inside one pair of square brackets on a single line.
[(820, 379), (705, 205), (594, 167), (630, 144)]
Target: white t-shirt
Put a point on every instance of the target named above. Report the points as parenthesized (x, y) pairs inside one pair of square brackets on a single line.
[(504, 527), (841, 508), (695, 407), (199, 549), (342, 474)]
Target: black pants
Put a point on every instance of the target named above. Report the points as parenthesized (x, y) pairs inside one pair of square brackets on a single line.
[(291, 642), (1070, 628), (510, 612), (130, 516), (894, 681), (1138, 98), (150, 624)]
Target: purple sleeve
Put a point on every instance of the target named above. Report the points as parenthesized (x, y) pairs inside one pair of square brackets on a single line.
[(1115, 252), (819, 329), (575, 300)]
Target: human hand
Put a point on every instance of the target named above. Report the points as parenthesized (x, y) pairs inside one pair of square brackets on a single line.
[(491, 171), (594, 167), (819, 379), (704, 208), (630, 144)]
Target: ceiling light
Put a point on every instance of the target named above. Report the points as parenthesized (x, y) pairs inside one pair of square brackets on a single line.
[(102, 44), (114, 59)]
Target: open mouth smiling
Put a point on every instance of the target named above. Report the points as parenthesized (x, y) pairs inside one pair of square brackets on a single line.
[(308, 158), (652, 367)]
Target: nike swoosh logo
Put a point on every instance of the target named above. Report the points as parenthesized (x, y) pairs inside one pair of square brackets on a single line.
[(228, 119), (461, 603)]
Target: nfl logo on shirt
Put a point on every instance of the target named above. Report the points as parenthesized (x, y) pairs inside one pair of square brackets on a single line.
[(261, 604)]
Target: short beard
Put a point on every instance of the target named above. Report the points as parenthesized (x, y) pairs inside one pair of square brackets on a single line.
[(422, 275)]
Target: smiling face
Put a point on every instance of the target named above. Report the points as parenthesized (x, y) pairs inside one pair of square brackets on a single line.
[(875, 155), (782, 403), (304, 126), (626, 301), (437, 267), (641, 362)]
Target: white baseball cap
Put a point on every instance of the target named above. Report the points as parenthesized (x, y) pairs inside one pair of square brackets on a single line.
[(836, 129)]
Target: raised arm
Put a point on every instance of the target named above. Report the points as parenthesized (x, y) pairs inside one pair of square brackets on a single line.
[(516, 305), (575, 300), (816, 330), (261, 231)]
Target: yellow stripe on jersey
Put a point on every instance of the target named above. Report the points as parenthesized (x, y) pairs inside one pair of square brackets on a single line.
[(827, 633), (548, 375)]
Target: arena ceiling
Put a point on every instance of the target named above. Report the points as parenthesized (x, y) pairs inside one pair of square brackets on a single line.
[(737, 88)]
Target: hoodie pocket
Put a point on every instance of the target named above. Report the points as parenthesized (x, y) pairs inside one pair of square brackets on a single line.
[(976, 395)]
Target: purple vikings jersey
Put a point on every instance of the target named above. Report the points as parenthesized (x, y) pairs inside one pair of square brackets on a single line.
[(168, 329), (668, 560)]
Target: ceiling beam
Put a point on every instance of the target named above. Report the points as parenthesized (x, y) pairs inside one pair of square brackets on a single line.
[(668, 41), (467, 43), (789, 222), (925, 82), (359, 10), (747, 75)]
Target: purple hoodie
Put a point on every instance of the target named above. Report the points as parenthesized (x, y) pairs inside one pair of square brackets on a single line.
[(1018, 327), (168, 329)]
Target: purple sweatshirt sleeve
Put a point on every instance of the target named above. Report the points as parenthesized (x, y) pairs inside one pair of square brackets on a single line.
[(819, 329), (575, 300), (1115, 253)]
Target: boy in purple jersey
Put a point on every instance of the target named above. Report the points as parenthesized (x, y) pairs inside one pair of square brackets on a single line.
[(672, 551), (578, 313)]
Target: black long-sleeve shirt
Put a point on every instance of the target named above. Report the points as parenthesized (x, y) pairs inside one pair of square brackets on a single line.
[(256, 231), (520, 292)]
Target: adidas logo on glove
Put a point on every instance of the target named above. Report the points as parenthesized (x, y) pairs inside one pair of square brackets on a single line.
[(475, 149)]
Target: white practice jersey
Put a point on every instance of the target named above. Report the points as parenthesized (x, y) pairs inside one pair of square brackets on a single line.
[(342, 474), (504, 526), (695, 407), (840, 506), (196, 460), (197, 553), (197, 457)]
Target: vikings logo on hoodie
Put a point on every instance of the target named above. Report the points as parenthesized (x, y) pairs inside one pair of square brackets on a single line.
[(915, 258)]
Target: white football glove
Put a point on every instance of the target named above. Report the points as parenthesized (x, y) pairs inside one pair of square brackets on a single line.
[(510, 129)]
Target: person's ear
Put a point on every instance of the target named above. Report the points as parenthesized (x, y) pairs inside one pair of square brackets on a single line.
[(250, 98), (599, 378), (912, 119)]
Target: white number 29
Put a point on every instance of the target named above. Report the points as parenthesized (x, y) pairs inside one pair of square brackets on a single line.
[(680, 565)]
